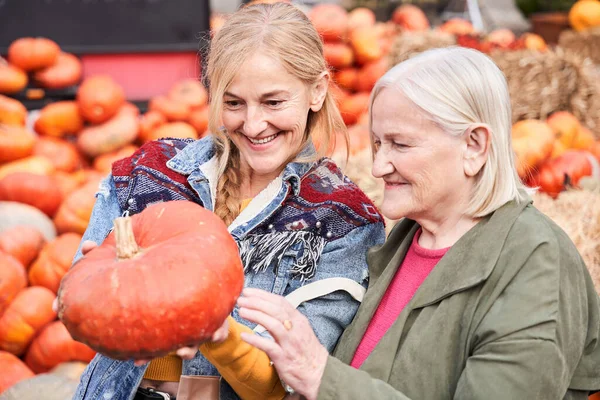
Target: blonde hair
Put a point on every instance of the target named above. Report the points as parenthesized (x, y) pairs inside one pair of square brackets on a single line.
[(457, 88), (284, 32)]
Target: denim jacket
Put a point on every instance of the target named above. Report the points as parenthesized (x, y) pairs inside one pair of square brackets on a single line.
[(341, 255)]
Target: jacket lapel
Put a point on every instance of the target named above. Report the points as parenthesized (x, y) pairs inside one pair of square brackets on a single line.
[(383, 263), (469, 262)]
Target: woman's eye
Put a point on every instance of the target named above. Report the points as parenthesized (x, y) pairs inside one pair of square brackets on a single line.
[(399, 145), (274, 103), (232, 103)]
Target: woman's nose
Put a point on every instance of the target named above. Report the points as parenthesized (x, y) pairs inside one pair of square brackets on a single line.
[(382, 166), (255, 123)]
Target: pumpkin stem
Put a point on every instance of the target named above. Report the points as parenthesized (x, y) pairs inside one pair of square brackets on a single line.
[(127, 247)]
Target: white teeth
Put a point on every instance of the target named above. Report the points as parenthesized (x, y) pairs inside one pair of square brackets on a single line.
[(263, 141)]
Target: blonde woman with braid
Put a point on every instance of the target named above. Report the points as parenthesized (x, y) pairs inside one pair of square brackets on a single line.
[(302, 227)]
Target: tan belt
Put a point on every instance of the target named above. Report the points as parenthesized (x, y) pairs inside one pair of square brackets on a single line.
[(196, 387)]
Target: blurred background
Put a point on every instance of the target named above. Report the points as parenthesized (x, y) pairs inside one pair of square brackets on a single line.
[(84, 83)]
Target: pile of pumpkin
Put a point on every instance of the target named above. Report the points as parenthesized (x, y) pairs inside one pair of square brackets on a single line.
[(555, 154), (51, 163)]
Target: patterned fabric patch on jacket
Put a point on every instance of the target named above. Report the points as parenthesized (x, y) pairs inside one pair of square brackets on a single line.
[(328, 207), (144, 178)]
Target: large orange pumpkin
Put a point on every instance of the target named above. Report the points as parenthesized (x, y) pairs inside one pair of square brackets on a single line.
[(12, 79), (12, 279), (65, 72), (53, 346), (36, 190), (117, 132), (31, 54), (170, 243), (353, 107), (12, 370), (23, 242), (366, 45), (59, 119), (75, 211), (24, 317), (62, 154), (15, 142), (190, 92), (410, 18), (12, 112), (338, 55), (557, 174), (569, 132), (99, 98), (54, 261)]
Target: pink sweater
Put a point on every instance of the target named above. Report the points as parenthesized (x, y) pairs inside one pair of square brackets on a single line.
[(417, 264)]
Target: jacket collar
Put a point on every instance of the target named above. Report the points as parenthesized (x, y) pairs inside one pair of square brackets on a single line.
[(470, 261), (193, 157)]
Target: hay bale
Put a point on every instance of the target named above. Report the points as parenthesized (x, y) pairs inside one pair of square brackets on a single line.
[(408, 44), (577, 212), (585, 44), (541, 83)]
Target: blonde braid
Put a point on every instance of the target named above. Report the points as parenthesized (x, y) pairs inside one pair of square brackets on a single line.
[(227, 204)]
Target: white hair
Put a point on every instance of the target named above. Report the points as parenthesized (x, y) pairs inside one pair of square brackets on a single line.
[(457, 88)]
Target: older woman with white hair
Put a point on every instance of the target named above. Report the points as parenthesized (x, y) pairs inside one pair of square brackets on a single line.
[(476, 294)]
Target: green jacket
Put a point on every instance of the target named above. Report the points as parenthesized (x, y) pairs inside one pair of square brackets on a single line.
[(510, 312)]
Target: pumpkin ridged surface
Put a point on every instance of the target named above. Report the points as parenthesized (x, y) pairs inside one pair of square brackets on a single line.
[(28, 313), (12, 280), (54, 261), (53, 346), (176, 291), (22, 242)]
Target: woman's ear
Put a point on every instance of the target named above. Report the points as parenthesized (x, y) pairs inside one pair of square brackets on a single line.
[(477, 140), (319, 91)]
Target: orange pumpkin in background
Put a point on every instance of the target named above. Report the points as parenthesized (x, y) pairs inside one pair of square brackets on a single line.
[(330, 20), (67, 71), (13, 279), (12, 112), (23, 242), (25, 316), (180, 130), (338, 55), (53, 346), (148, 122), (99, 98), (12, 79), (54, 261), (190, 92), (199, 120), (59, 119), (533, 142), (62, 154), (31, 54), (36, 190), (75, 211), (119, 131), (12, 370), (410, 18), (557, 174), (173, 109), (34, 164), (16, 142)]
